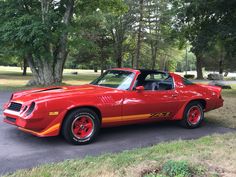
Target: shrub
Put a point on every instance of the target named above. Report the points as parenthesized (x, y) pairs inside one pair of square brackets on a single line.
[(176, 168)]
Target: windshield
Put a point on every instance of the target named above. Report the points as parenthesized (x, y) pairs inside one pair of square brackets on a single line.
[(115, 79)]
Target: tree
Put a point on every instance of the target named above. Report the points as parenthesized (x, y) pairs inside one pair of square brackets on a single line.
[(158, 22), (189, 24), (139, 33), (95, 43), (205, 24), (120, 27), (40, 31)]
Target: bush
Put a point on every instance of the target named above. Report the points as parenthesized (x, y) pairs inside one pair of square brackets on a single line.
[(189, 76), (176, 168)]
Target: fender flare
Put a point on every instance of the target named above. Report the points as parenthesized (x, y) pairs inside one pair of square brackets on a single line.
[(179, 115)]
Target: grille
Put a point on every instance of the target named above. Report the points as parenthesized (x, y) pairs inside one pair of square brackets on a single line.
[(15, 106), (10, 119)]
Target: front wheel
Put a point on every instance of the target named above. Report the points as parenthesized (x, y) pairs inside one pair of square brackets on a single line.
[(193, 115), (81, 126)]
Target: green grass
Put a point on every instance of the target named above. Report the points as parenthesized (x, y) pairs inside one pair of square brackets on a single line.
[(11, 78), (207, 156), (230, 92), (226, 115)]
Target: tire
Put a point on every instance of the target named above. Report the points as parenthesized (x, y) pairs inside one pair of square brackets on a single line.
[(193, 115), (81, 126)]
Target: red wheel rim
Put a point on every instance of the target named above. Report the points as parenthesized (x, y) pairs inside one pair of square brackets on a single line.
[(194, 115), (82, 127)]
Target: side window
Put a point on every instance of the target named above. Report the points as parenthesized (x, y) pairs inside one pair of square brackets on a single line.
[(158, 81), (157, 76)]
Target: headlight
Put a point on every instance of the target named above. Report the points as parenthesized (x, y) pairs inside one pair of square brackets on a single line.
[(31, 108)]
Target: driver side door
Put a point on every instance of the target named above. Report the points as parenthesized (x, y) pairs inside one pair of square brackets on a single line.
[(148, 105)]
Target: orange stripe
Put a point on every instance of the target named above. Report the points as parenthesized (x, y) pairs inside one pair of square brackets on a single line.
[(125, 118), (49, 130)]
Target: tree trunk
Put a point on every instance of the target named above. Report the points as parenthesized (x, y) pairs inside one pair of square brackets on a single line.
[(119, 61), (61, 56), (199, 67), (35, 73), (137, 58), (221, 67), (153, 33), (154, 56), (95, 68), (102, 55), (102, 67), (102, 61), (119, 56), (118, 47), (41, 70), (132, 60), (222, 53), (49, 70), (24, 67)]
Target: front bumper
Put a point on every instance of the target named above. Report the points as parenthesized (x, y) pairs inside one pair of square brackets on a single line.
[(40, 127)]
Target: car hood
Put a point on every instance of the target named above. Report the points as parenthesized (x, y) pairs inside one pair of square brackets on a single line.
[(57, 92)]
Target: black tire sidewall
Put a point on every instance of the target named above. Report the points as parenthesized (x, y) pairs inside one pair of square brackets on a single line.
[(66, 128)]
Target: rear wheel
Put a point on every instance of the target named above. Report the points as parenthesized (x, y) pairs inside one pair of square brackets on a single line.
[(81, 126), (193, 115)]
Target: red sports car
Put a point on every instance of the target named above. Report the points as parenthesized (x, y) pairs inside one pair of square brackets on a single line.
[(118, 97)]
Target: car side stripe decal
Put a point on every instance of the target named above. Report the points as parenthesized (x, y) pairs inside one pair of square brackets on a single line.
[(125, 118)]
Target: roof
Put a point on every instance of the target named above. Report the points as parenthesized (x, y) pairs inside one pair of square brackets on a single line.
[(152, 71), (140, 70)]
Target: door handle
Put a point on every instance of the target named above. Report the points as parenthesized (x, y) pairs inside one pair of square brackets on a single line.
[(174, 95)]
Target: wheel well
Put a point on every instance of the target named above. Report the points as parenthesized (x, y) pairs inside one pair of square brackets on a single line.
[(202, 101), (96, 110)]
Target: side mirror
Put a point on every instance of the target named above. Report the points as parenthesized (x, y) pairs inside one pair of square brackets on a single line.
[(139, 88)]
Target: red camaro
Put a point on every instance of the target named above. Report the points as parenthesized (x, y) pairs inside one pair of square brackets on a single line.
[(118, 97)]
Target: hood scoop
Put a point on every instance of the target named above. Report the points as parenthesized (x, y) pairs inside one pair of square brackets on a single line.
[(49, 89)]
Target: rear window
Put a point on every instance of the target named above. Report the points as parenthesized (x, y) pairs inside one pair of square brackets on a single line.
[(187, 82)]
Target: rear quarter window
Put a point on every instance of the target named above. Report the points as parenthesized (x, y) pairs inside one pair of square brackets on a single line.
[(187, 82)]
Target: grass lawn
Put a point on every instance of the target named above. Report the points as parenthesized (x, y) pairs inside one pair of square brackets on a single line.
[(11, 78), (208, 156), (225, 115)]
